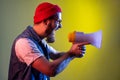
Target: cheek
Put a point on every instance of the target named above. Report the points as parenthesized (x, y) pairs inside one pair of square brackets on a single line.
[(53, 26), (49, 29)]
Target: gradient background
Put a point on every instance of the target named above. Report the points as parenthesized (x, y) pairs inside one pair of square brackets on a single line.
[(79, 15)]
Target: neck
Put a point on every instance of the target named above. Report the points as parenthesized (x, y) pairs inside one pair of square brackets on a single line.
[(37, 29)]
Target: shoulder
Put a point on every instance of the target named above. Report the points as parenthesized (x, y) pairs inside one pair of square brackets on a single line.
[(24, 41)]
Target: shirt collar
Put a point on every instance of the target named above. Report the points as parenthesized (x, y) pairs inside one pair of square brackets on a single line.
[(33, 33)]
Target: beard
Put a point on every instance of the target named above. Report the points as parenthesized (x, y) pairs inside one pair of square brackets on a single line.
[(51, 38), (49, 30), (50, 34)]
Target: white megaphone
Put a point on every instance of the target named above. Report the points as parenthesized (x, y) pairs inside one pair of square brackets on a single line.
[(94, 39)]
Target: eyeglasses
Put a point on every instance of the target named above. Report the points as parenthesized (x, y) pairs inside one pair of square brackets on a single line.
[(58, 22)]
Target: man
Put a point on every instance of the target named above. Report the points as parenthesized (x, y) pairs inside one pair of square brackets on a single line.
[(30, 53)]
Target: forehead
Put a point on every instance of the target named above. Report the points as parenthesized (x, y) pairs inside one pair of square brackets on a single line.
[(59, 15)]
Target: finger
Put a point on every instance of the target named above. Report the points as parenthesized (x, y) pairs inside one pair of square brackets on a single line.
[(83, 48), (83, 52), (80, 55)]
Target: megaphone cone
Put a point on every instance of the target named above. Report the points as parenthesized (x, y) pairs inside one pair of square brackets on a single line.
[(94, 39)]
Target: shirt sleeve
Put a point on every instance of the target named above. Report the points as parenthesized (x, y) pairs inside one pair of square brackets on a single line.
[(27, 51)]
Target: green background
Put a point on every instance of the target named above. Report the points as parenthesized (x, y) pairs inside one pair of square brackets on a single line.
[(77, 15)]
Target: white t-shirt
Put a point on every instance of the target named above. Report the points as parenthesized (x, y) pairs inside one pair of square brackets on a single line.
[(27, 51)]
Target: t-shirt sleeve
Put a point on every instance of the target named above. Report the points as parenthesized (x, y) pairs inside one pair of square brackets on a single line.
[(27, 51)]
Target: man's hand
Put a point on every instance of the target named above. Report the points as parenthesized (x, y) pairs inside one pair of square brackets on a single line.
[(78, 49)]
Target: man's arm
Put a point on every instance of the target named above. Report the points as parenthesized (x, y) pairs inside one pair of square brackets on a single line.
[(57, 65), (57, 55), (47, 67)]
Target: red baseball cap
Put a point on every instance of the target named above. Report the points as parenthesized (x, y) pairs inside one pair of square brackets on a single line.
[(44, 11)]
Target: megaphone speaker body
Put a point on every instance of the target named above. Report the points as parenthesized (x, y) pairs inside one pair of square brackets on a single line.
[(94, 39)]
